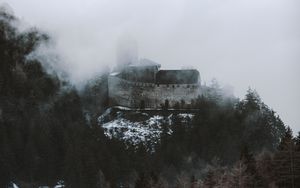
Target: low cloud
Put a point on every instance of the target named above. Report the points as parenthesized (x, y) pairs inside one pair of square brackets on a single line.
[(242, 43)]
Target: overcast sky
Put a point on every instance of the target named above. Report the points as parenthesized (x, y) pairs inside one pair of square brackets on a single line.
[(242, 43)]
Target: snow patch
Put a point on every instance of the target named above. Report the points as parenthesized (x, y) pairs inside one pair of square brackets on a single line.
[(60, 184), (133, 132), (15, 186), (186, 115)]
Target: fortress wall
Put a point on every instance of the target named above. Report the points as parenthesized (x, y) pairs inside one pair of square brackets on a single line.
[(118, 94), (131, 94), (176, 93)]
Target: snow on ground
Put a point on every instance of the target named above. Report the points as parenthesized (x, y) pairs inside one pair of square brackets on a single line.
[(60, 184), (15, 186), (185, 117), (146, 131)]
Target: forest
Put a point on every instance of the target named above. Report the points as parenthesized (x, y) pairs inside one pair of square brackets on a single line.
[(49, 133)]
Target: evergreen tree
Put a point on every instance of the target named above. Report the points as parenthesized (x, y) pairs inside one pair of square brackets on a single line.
[(240, 177), (142, 181), (247, 158), (284, 161), (265, 169), (210, 179), (297, 161)]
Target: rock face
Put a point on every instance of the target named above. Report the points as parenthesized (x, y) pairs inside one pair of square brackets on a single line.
[(145, 86), (136, 127)]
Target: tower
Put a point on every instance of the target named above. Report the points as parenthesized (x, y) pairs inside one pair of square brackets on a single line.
[(127, 52)]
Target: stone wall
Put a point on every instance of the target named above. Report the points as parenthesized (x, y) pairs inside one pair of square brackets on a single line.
[(133, 94)]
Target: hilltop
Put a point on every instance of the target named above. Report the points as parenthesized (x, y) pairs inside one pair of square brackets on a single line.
[(52, 133)]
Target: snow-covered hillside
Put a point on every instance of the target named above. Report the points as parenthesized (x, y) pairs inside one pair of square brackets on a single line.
[(135, 128)]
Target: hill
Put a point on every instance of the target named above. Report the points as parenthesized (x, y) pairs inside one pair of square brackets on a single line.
[(51, 132)]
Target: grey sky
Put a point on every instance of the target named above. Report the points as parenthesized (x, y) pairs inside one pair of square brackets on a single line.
[(240, 42)]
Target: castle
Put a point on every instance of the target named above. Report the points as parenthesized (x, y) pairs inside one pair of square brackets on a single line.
[(145, 85)]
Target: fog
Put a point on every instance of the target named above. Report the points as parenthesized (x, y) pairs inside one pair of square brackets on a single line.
[(243, 43)]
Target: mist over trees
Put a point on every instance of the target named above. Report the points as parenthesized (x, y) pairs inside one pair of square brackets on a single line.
[(49, 133)]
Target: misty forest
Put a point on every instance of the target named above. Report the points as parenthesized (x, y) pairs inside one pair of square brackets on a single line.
[(51, 135)]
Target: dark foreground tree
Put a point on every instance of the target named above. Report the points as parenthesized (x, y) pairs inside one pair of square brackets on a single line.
[(286, 162)]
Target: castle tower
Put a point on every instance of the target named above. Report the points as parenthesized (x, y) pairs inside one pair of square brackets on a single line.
[(127, 52)]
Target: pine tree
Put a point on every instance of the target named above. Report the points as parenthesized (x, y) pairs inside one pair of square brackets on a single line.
[(210, 179), (265, 168), (240, 177), (249, 162), (297, 161), (297, 140), (285, 161), (142, 181)]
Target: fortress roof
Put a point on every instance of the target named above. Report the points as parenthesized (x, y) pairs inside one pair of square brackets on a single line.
[(145, 63), (114, 73), (190, 76)]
